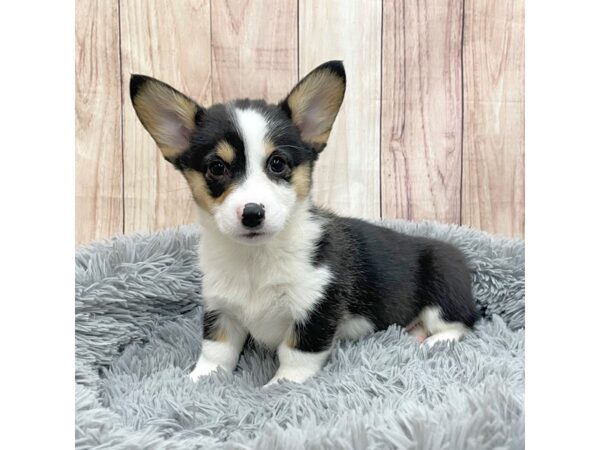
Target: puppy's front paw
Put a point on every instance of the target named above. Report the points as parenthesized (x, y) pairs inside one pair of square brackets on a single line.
[(202, 369)]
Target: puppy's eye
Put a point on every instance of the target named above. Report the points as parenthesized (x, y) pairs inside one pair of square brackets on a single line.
[(277, 165), (217, 169)]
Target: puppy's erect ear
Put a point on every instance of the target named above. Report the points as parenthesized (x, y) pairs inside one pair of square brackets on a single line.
[(169, 116), (315, 101)]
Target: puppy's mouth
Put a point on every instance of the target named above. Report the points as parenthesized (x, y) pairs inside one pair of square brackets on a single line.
[(254, 237), (253, 234)]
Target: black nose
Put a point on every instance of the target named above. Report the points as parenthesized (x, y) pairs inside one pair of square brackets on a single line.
[(253, 215)]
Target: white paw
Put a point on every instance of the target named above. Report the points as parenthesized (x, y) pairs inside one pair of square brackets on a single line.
[(431, 341), (295, 376), (275, 380), (202, 369), (272, 381), (419, 332), (444, 336)]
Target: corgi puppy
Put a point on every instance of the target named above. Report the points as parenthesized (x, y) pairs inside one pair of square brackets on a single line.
[(276, 267)]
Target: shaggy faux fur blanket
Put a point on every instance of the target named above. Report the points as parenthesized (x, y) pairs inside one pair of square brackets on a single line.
[(138, 334)]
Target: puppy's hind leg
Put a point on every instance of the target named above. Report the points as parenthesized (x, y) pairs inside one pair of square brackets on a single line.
[(438, 329), (444, 286), (417, 330)]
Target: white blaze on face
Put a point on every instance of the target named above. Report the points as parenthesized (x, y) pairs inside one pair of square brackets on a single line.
[(278, 198)]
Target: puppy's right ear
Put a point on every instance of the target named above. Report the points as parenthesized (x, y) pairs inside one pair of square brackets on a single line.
[(169, 116)]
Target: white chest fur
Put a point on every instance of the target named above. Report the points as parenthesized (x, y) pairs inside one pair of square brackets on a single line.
[(265, 288)]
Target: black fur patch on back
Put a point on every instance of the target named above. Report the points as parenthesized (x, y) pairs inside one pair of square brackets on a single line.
[(389, 277)]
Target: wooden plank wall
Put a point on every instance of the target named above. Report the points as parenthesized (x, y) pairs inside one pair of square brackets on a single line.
[(432, 126), (157, 39), (98, 151), (493, 194), (422, 110), (258, 38), (347, 177)]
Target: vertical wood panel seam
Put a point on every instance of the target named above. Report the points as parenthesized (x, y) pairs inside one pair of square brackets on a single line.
[(462, 113), (381, 114), (298, 41), (402, 136), (122, 109), (211, 75)]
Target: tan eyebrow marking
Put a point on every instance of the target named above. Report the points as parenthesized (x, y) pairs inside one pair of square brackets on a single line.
[(269, 148), (226, 152)]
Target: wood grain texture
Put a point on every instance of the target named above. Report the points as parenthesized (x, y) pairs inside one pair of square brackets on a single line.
[(347, 173), (172, 44), (98, 173), (421, 110), (440, 83), (254, 49), (493, 154)]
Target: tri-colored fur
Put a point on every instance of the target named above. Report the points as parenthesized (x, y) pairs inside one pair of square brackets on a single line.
[(277, 268)]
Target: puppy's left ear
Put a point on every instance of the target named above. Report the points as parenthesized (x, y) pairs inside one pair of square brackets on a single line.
[(314, 103), (169, 116)]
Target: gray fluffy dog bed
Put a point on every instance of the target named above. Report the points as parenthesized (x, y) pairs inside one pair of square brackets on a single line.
[(138, 334)]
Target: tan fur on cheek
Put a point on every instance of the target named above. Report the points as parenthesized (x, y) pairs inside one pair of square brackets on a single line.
[(301, 180), (199, 190), (201, 193)]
